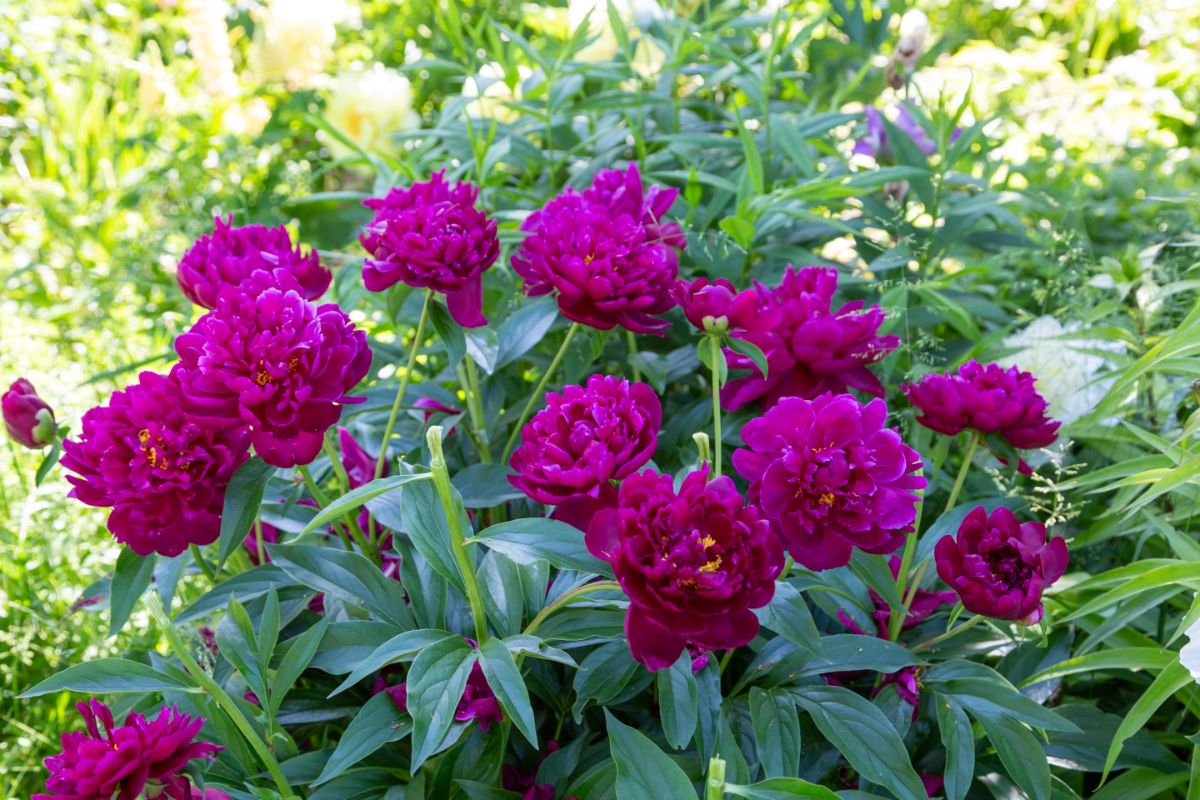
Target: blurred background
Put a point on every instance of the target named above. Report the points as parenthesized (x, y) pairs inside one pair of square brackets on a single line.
[(125, 126)]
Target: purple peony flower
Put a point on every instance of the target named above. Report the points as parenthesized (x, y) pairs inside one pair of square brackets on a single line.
[(162, 473), (596, 250), (1000, 566), (875, 143), (111, 762), (358, 463), (229, 255), (584, 438), (525, 784), (432, 236), (28, 418), (478, 702), (268, 359), (988, 399), (717, 306), (830, 476), (810, 348), (693, 562), (622, 192)]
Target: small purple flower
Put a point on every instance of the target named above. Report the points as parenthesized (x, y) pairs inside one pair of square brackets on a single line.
[(1000, 566), (28, 418), (831, 477), (875, 143), (717, 306), (162, 472), (118, 762), (607, 262), (432, 236), (268, 359), (693, 562), (585, 437), (229, 255), (810, 348)]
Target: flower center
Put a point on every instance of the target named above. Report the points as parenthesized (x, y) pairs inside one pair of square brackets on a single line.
[(1008, 567), (154, 458), (827, 499)]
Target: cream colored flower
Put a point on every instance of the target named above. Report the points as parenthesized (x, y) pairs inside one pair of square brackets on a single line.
[(1189, 654), (367, 107), (293, 40), (634, 14), (208, 41)]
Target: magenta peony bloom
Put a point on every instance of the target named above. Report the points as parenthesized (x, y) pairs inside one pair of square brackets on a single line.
[(432, 236), (229, 255), (810, 348), (988, 399), (119, 763), (358, 463), (478, 702), (162, 473), (717, 306), (831, 476), (693, 562), (622, 193), (1000, 566), (28, 418), (596, 250), (584, 438), (269, 359)]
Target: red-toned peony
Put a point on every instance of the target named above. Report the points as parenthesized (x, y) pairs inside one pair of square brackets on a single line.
[(985, 398), (810, 347), (1000, 566), (623, 193), (585, 437), (831, 476), (693, 562), (230, 255), (121, 763), (162, 472), (268, 359), (717, 306), (432, 236), (604, 257), (28, 418)]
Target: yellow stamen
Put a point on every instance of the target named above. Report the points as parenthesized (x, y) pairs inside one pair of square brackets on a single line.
[(713, 565), (827, 498)]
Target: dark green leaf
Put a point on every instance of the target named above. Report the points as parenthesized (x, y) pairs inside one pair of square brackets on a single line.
[(677, 707), (345, 575), (129, 581), (244, 587), (751, 351), (782, 789), (602, 675), (524, 540), (297, 658), (959, 741), (425, 522), (398, 648), (643, 771), (350, 502), (776, 732), (485, 485), (788, 615), (1021, 754), (449, 332), (524, 328), (108, 676), (436, 682), (377, 723), (483, 348), (505, 679), (243, 497)]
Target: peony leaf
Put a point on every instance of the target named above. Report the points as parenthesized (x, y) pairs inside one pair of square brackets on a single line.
[(377, 723), (751, 351), (959, 741), (782, 789), (243, 497), (436, 682), (524, 540), (130, 579), (1021, 754), (426, 525), (524, 328), (345, 575), (483, 348), (108, 676), (505, 679), (644, 771), (788, 615), (776, 731), (485, 485), (677, 705), (449, 332), (352, 500)]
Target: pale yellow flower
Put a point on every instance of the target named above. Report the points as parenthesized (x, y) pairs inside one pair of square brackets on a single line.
[(367, 107), (293, 40)]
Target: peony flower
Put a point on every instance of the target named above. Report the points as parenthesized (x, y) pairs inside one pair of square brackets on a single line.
[(525, 783), (431, 235), (989, 399), (1189, 654), (924, 604), (693, 562), (717, 306), (478, 702), (162, 472), (584, 438), (1000, 566), (28, 418), (605, 255), (141, 755), (293, 40), (622, 192), (810, 348), (229, 256), (875, 143), (830, 476), (267, 358), (367, 107)]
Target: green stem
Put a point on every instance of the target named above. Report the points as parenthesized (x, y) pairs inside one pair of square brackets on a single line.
[(322, 499), (404, 379), (538, 392), (632, 340), (218, 694), (339, 469), (198, 557), (458, 543), (567, 598), (715, 785), (975, 620), (260, 546), (962, 470), (714, 343), (475, 408)]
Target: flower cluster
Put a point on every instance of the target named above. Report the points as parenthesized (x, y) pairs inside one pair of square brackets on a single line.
[(230, 255), (693, 562), (122, 762), (831, 476), (432, 236), (28, 419), (606, 253), (583, 439), (1000, 566), (810, 347)]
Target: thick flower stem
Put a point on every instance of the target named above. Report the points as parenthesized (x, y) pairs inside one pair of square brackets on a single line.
[(962, 470), (458, 543), (475, 409), (538, 392), (714, 343), (975, 620), (198, 557), (219, 695), (715, 785), (404, 379)]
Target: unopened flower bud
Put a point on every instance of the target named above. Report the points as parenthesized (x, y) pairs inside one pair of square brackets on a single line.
[(28, 418)]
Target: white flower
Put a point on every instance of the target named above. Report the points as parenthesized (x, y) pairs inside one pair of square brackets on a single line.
[(1189, 654), (367, 107), (293, 40), (635, 14), (489, 95), (1068, 368)]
